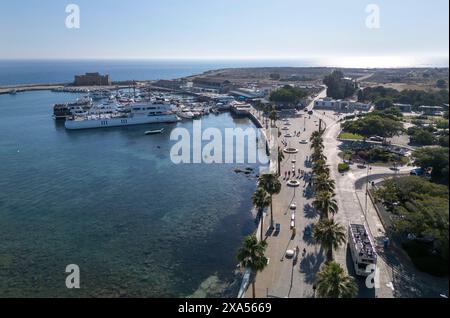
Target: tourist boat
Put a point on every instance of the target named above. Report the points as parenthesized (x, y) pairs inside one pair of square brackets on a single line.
[(139, 114), (78, 108)]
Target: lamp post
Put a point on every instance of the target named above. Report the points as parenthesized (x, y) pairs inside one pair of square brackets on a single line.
[(369, 169)]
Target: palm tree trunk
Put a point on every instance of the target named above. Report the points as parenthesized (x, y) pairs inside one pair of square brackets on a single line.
[(279, 167), (330, 255), (262, 224), (253, 288), (271, 212)]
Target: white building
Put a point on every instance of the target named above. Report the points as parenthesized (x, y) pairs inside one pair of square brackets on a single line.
[(341, 105)]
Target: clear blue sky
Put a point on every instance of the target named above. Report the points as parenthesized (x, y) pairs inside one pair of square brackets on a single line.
[(223, 29)]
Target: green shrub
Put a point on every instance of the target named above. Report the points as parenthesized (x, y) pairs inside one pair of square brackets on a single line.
[(343, 167)]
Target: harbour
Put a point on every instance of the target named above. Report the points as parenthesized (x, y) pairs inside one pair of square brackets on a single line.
[(137, 240)]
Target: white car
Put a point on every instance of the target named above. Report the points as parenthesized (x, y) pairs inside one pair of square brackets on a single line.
[(304, 142), (288, 135), (293, 206)]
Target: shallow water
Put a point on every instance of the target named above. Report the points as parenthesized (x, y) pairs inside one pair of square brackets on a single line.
[(112, 202)]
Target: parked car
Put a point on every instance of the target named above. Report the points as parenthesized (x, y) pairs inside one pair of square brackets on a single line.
[(417, 172), (376, 138)]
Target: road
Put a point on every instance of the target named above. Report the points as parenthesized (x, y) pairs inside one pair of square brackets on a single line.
[(282, 278)]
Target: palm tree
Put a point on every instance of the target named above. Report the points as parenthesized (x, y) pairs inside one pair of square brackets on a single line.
[(273, 116), (272, 185), (318, 155), (330, 235), (323, 183), (280, 159), (325, 203), (261, 200), (333, 282), (251, 255), (316, 139), (320, 167)]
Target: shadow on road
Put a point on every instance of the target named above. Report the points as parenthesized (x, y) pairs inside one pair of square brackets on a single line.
[(310, 265), (310, 212)]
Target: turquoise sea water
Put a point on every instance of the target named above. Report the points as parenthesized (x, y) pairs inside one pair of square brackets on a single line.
[(112, 202)]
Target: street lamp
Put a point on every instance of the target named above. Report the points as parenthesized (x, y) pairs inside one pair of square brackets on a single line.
[(369, 169)]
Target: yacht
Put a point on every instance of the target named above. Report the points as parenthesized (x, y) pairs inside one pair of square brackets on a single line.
[(78, 108), (138, 114)]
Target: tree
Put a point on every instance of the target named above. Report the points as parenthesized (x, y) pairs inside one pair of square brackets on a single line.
[(436, 158), (323, 183), (275, 76), (251, 255), (272, 185), (325, 203), (320, 166), (421, 209), (273, 117), (338, 87), (374, 125), (288, 95), (422, 137), (280, 159), (330, 235), (333, 282), (261, 200), (382, 103), (441, 83), (317, 141)]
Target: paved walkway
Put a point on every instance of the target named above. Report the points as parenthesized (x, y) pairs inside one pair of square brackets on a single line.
[(282, 278)]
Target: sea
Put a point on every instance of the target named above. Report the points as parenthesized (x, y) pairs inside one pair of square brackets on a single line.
[(112, 202), (17, 72)]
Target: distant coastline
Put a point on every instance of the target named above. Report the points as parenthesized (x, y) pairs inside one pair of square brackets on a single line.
[(48, 72)]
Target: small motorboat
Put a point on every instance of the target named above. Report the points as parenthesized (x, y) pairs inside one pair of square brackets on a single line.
[(154, 132)]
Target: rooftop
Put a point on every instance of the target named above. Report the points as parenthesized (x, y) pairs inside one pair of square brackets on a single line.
[(362, 242)]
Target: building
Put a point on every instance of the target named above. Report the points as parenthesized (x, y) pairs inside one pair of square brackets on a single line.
[(213, 85), (240, 109), (174, 85), (341, 105), (247, 93), (431, 110), (327, 103), (92, 79), (404, 108), (363, 107)]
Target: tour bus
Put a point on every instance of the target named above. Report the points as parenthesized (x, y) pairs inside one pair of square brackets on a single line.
[(362, 250)]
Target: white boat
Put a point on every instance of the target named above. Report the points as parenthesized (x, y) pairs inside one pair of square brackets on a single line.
[(154, 132), (186, 114), (139, 114)]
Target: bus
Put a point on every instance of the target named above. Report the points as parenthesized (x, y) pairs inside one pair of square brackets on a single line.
[(362, 250)]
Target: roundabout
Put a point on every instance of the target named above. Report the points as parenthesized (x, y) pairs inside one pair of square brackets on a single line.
[(291, 150), (293, 183)]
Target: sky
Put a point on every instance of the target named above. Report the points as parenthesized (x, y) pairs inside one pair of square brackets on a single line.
[(409, 31)]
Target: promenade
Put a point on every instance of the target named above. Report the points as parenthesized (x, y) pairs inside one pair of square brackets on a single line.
[(284, 279)]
